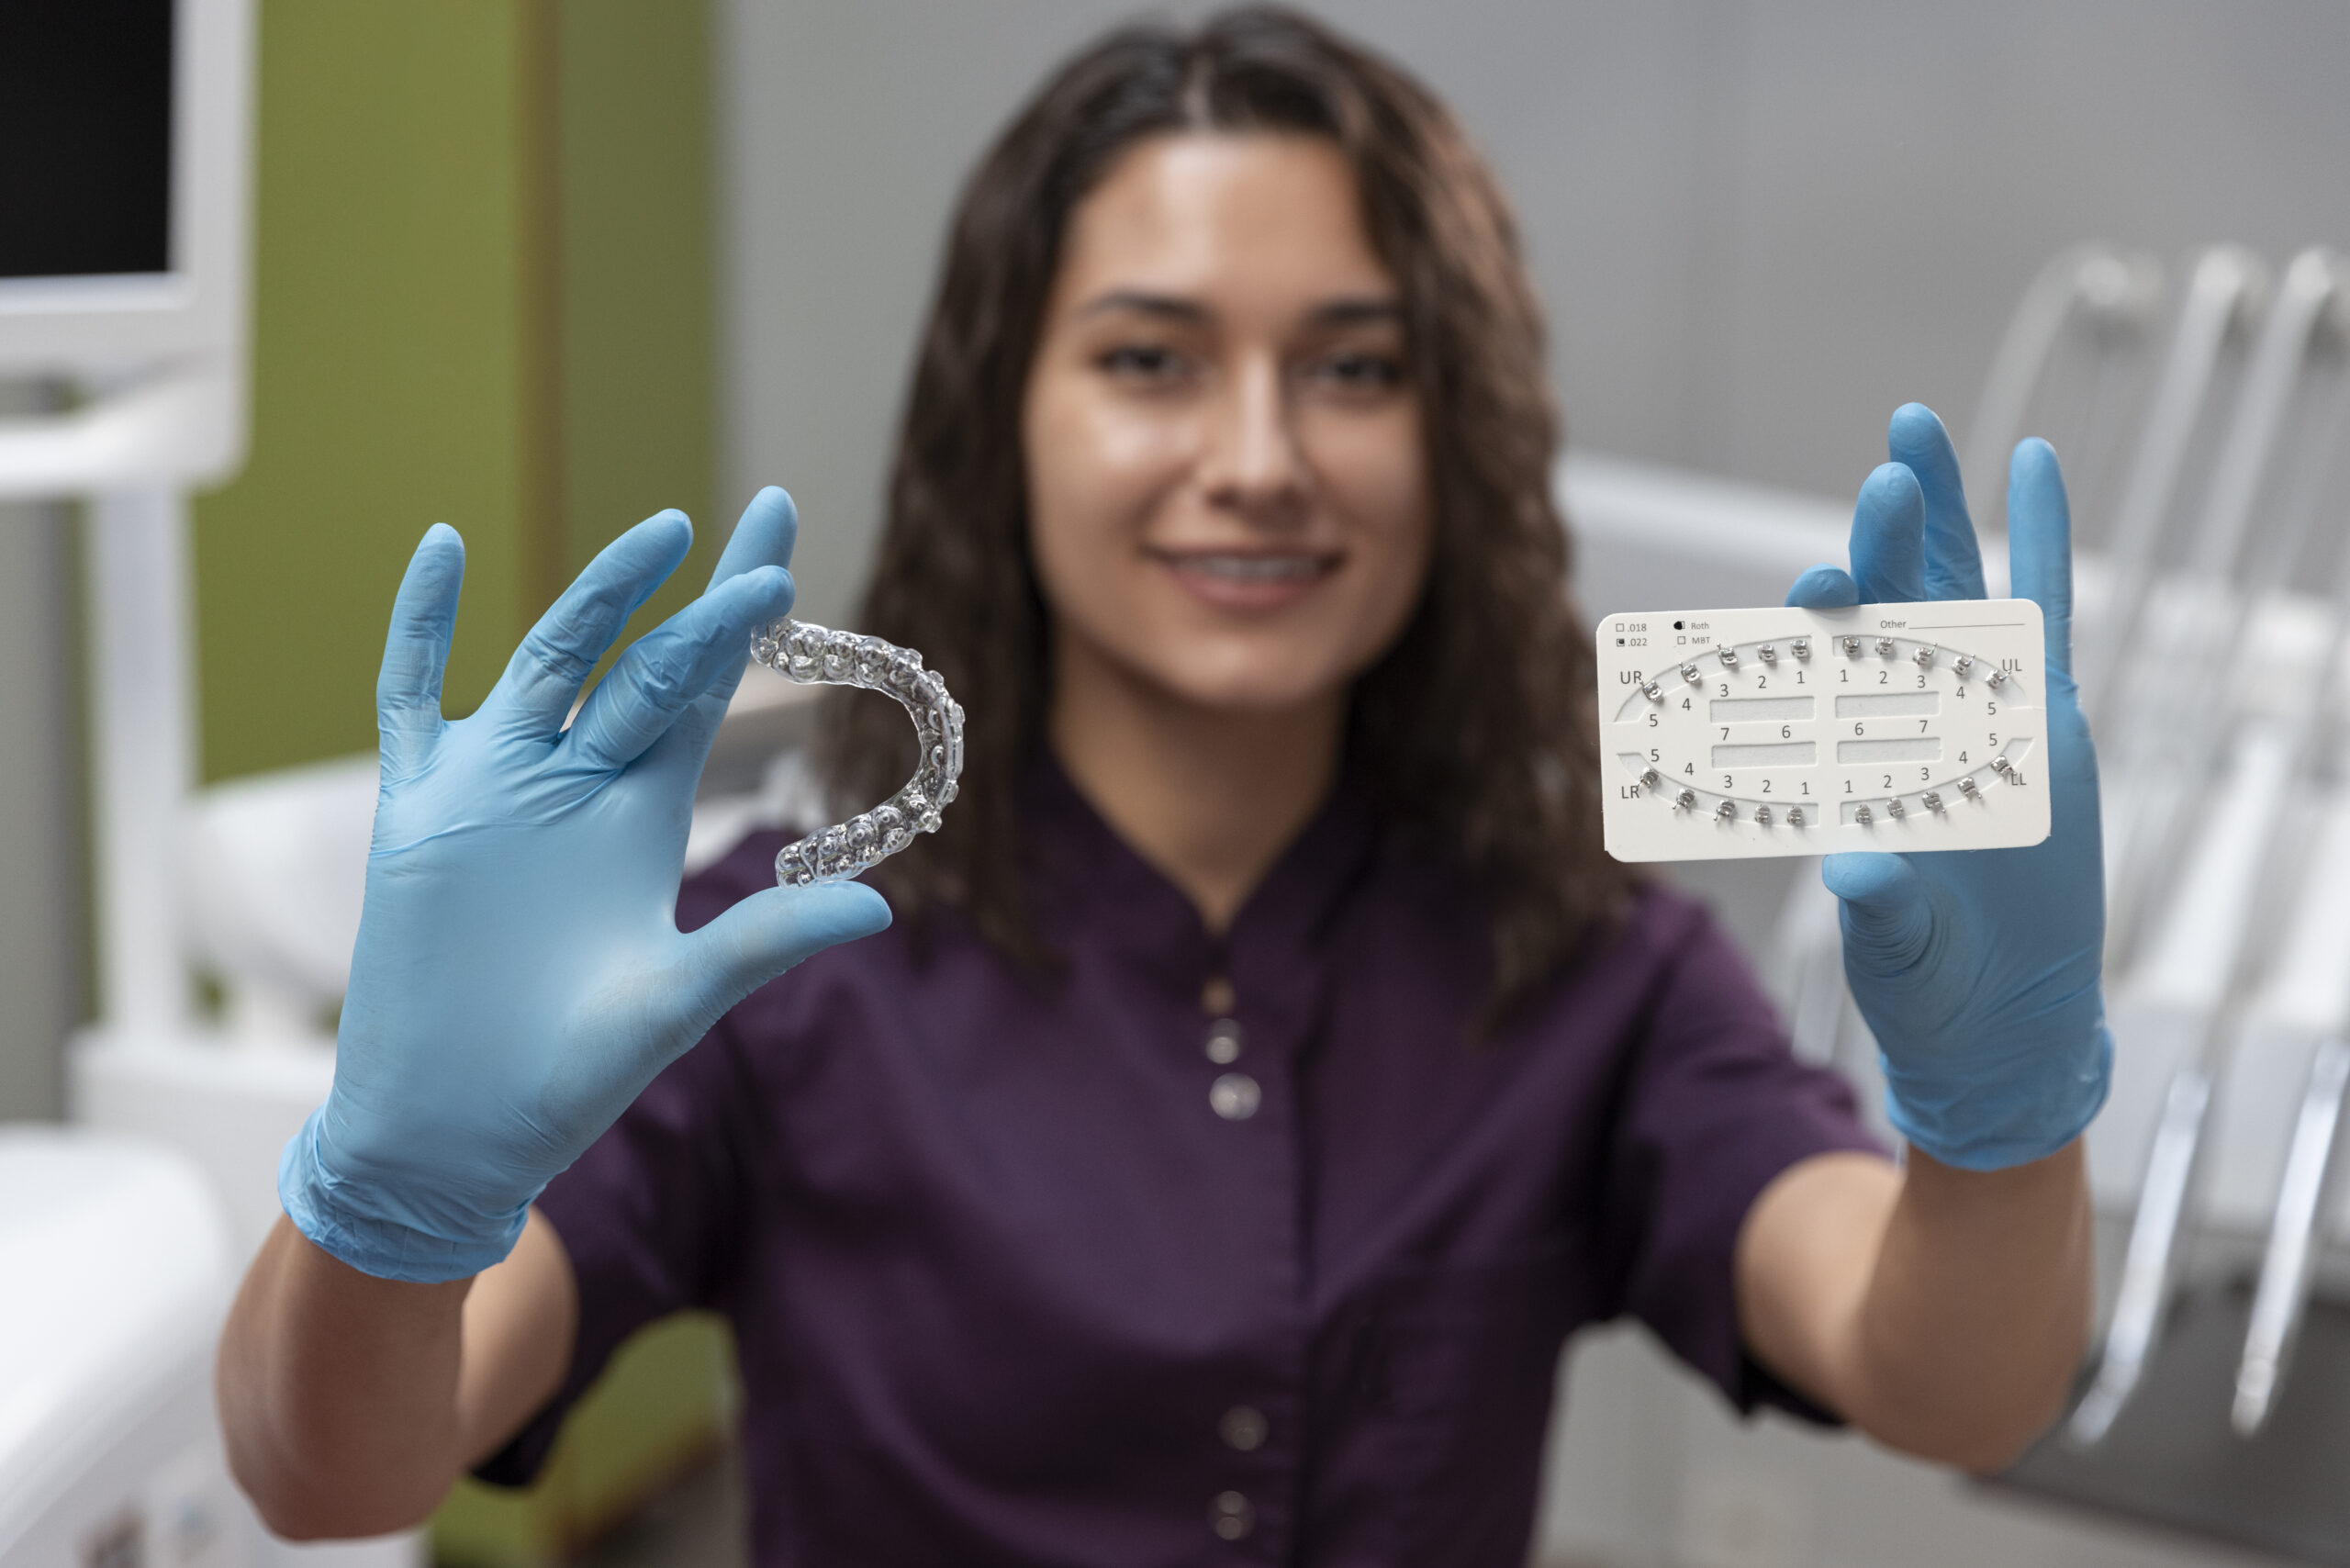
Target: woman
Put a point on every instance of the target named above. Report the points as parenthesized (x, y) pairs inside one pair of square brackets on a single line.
[(1267, 1069)]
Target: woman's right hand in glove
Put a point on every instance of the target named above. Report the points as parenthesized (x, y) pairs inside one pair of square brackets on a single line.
[(519, 975)]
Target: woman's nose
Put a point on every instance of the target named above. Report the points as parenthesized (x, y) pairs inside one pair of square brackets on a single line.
[(1252, 465)]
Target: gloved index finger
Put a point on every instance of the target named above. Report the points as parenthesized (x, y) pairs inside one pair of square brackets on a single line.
[(416, 649), (2040, 544), (1888, 537), (669, 669), (544, 676), (763, 536), (1914, 438)]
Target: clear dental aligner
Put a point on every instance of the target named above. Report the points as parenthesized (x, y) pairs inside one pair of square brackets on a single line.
[(817, 655)]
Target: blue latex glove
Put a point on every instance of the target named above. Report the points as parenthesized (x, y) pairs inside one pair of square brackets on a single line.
[(519, 976), (1978, 969)]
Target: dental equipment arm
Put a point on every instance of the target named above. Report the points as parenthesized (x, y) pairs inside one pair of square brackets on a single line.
[(2290, 1264), (2310, 294), (2260, 882), (2227, 562), (2223, 294), (2114, 290)]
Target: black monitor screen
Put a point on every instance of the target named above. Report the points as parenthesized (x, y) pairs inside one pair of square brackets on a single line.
[(85, 137)]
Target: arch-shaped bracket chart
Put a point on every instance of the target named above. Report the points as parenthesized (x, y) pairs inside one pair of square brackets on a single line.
[(1733, 733)]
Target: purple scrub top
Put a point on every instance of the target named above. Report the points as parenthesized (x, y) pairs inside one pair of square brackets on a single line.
[(1199, 1250)]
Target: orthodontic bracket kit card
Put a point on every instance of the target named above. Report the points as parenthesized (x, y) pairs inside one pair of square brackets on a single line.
[(1736, 734)]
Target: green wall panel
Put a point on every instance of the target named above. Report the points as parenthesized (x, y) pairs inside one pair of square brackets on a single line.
[(637, 279), (386, 368), (483, 296)]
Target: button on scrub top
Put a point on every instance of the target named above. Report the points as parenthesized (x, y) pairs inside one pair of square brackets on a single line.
[(1194, 1251)]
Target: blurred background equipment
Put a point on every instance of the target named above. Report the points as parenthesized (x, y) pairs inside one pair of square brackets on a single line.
[(124, 166), (124, 171), (2213, 638), (459, 318), (106, 1430), (539, 267)]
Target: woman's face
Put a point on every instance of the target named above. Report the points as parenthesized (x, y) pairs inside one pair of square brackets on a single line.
[(1227, 495)]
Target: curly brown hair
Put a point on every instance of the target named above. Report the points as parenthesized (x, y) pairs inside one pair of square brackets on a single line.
[(1476, 728)]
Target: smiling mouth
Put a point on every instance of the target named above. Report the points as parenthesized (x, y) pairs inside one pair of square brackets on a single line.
[(1236, 569)]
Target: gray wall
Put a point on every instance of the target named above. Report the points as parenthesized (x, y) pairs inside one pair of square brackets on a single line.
[(1758, 228), (42, 974)]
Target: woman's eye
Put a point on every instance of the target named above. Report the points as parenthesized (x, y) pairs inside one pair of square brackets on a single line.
[(1358, 372), (1141, 362)]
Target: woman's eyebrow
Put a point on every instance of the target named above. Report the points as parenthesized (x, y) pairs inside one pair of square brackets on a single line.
[(1170, 307), (1343, 312), (1351, 312)]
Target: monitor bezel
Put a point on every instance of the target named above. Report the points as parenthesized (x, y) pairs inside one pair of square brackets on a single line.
[(101, 325)]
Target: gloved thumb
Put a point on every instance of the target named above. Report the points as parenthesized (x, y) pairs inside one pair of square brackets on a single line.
[(767, 934), (1824, 588), (1888, 917)]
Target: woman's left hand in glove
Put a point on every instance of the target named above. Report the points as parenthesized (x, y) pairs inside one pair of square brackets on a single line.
[(1978, 969)]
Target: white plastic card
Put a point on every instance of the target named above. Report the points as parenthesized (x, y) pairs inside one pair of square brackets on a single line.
[(1732, 733)]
